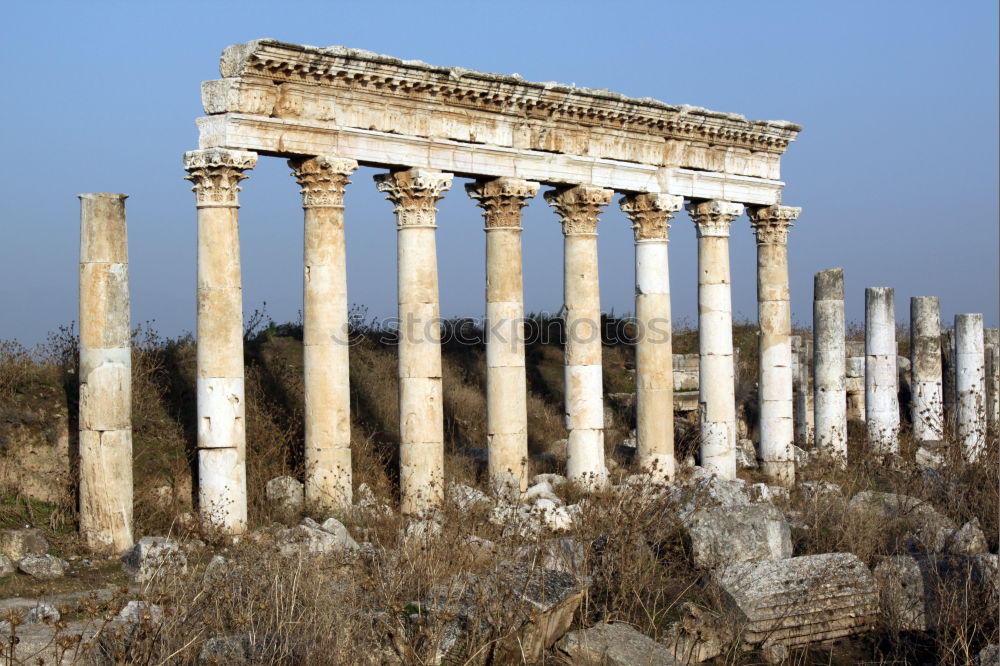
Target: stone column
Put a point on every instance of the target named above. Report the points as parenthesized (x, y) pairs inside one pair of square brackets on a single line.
[(949, 394), (970, 384), (829, 364), (105, 375), (716, 384), (654, 382), (992, 353), (421, 404), (506, 386), (770, 226), (222, 491), (579, 207), (881, 380), (926, 405), (325, 336)]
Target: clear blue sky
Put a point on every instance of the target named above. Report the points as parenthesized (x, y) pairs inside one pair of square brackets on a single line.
[(896, 169)]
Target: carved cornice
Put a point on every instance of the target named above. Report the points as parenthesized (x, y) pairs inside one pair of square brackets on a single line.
[(712, 218), (771, 223), (216, 174), (414, 193), (651, 213), (265, 65), (502, 200), (579, 207), (323, 179)]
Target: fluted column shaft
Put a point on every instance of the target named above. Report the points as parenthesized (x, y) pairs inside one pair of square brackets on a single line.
[(926, 405), (654, 384), (829, 364), (881, 378), (716, 384), (970, 383), (579, 208), (777, 432), (325, 350), (105, 375), (222, 493), (506, 386), (421, 404)]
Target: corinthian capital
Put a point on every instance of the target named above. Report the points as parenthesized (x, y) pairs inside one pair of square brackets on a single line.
[(579, 206), (712, 218), (415, 193), (651, 213), (502, 200), (771, 223), (216, 174), (323, 179)]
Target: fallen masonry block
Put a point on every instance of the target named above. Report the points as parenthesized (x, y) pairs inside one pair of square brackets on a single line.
[(799, 600), (153, 556), (27, 541), (724, 535), (615, 644)]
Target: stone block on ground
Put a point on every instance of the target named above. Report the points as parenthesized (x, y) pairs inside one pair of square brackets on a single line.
[(36, 644), (699, 635), (312, 538), (564, 554), (724, 535), (42, 567), (20, 542), (799, 600), (154, 556), (466, 498), (930, 531), (6, 566), (616, 644), (286, 497)]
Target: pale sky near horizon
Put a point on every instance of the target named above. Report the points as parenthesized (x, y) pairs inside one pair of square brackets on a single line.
[(896, 169)]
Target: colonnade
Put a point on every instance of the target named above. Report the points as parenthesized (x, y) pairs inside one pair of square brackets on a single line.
[(216, 173)]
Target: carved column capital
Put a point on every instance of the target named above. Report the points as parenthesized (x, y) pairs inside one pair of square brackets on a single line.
[(216, 174), (651, 213), (771, 223), (712, 218), (502, 200), (323, 179), (579, 206), (414, 193)]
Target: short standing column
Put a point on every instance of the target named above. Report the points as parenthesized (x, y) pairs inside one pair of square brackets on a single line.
[(830, 396), (770, 225), (506, 389), (654, 379), (925, 365), (970, 384), (421, 406), (325, 342), (716, 384), (579, 208), (222, 491), (881, 379), (105, 375)]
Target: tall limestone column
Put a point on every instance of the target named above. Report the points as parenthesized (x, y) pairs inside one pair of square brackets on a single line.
[(421, 404), (829, 364), (654, 358), (105, 375), (926, 404), (970, 383), (325, 342), (717, 381), (506, 386), (222, 488), (881, 379), (770, 226), (579, 208)]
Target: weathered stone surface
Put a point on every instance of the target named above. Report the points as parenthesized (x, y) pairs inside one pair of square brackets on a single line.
[(154, 556), (135, 612), (932, 531), (563, 554), (466, 498), (6, 565), (312, 538), (30, 612), (286, 497), (724, 535), (35, 644), (34, 444), (989, 656), (799, 600), (224, 650), (42, 567), (27, 541), (821, 494), (917, 592), (615, 644), (700, 634)]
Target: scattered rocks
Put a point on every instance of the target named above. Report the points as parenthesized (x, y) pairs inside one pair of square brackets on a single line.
[(466, 498), (225, 650), (286, 497), (421, 531), (42, 567), (541, 490), (35, 613), (799, 600), (367, 506), (724, 535), (930, 531), (26, 541), (699, 635), (615, 644), (563, 554), (312, 538), (153, 556), (554, 480), (746, 454), (821, 494), (135, 612)]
